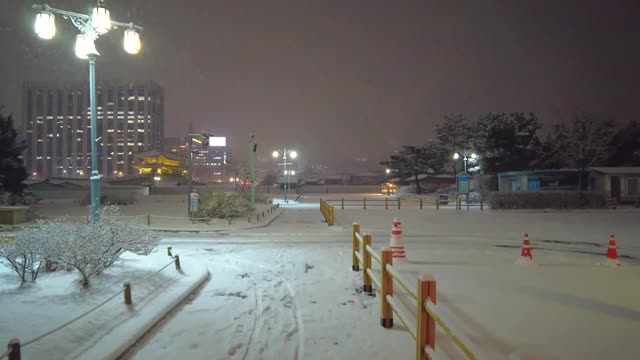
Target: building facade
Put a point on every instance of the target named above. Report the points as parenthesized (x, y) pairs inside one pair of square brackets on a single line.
[(209, 164), (56, 115)]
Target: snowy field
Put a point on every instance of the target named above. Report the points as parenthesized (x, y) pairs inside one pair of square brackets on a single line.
[(287, 291)]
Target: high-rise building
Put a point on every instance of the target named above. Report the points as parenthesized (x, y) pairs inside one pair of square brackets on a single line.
[(130, 119), (209, 164)]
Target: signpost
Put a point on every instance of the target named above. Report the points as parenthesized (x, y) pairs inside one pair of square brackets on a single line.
[(193, 202), (462, 186)]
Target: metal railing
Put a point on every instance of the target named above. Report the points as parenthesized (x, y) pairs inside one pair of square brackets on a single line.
[(422, 327), (397, 203)]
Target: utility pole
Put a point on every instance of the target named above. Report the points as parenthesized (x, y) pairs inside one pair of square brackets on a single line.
[(252, 155)]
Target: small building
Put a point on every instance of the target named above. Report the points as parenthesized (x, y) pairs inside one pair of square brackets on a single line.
[(536, 180), (621, 183)]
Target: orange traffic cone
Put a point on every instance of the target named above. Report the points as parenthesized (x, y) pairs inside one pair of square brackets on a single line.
[(397, 248), (612, 252), (526, 248)]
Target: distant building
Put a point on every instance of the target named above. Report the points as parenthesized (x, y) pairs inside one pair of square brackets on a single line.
[(156, 163), (130, 119), (209, 164)]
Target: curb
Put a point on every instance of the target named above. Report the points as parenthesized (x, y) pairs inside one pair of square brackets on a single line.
[(277, 215)]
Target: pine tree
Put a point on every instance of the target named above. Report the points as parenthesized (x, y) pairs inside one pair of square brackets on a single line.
[(12, 170)]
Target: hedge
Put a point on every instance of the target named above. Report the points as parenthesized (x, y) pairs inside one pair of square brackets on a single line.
[(547, 200)]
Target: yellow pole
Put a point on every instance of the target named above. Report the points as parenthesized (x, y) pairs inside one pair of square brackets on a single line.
[(364, 204), (398, 203), (355, 247), (426, 325), (420, 203), (366, 260), (386, 203), (386, 312), (437, 203)]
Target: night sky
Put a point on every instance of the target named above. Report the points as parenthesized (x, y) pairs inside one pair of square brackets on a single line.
[(340, 80)]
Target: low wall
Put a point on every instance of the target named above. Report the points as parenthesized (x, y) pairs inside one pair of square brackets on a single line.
[(117, 192)]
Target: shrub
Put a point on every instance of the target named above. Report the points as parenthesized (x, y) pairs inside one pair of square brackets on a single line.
[(546, 200), (221, 205), (23, 256)]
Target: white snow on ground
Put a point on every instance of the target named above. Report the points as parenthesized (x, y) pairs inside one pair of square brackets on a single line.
[(287, 291)]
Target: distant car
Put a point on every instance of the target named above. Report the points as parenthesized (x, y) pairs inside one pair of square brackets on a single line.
[(389, 188)]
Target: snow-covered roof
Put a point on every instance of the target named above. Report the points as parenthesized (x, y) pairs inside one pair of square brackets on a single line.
[(617, 170)]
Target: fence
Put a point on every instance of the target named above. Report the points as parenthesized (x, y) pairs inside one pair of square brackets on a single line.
[(423, 327), (14, 346), (327, 211), (396, 203)]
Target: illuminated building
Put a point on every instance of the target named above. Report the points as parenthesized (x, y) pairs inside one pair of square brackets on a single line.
[(209, 164), (130, 119), (156, 163)]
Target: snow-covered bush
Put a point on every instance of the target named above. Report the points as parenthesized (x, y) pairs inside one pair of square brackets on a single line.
[(546, 200), (90, 248), (221, 205), (25, 253)]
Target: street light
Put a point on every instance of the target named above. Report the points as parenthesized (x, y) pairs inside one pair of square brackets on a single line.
[(465, 158), (292, 154), (91, 27)]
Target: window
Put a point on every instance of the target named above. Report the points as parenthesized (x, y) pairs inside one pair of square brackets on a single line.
[(633, 186)]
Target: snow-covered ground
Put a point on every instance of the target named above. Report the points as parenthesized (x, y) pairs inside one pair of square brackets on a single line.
[(287, 291)]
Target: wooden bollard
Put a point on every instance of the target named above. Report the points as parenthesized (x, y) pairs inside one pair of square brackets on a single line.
[(437, 204), (366, 264), (364, 204), (263, 214), (398, 203), (148, 219), (229, 220), (177, 261), (426, 335), (386, 312), (257, 217), (386, 203), (13, 349), (169, 251), (355, 247), (420, 203), (481, 204), (127, 293), (342, 203), (249, 219)]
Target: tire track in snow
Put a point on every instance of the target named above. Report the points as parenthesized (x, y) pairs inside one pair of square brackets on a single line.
[(290, 299)]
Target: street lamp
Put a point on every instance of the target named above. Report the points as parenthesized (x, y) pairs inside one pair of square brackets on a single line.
[(91, 27), (465, 157), (292, 154)]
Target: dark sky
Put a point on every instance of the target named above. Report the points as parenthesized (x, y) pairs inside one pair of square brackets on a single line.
[(343, 79)]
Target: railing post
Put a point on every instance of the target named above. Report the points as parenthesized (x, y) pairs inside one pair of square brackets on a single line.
[(386, 203), (437, 203), (366, 260), (177, 261), (13, 349), (127, 293), (355, 247), (364, 204), (169, 251), (229, 220), (426, 331), (481, 204), (386, 312), (342, 203), (148, 219), (420, 203), (331, 216), (459, 204), (398, 203)]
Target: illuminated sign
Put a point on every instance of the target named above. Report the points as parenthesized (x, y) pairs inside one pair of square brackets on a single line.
[(218, 141)]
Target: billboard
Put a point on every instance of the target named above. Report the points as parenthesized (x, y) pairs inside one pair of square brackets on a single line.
[(219, 141)]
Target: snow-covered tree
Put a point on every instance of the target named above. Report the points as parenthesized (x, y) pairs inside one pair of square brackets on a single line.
[(453, 133), (220, 205), (90, 248), (506, 142), (412, 161), (23, 255), (626, 146)]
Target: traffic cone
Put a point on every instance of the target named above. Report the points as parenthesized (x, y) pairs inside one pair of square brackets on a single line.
[(397, 248), (612, 252), (526, 248)]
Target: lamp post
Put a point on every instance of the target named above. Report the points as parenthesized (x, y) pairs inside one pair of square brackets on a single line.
[(465, 157), (91, 27), (293, 154), (203, 139), (252, 179)]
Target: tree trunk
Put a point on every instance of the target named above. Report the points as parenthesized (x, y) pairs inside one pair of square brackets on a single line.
[(418, 189)]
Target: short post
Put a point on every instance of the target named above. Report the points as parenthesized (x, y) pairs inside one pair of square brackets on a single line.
[(229, 220), (426, 332), (342, 203), (169, 251), (386, 203), (127, 293), (386, 312), (13, 349), (263, 214), (355, 247), (249, 219), (398, 203), (366, 263), (364, 204), (437, 203), (177, 261), (420, 203), (148, 219), (481, 204), (459, 203), (257, 217)]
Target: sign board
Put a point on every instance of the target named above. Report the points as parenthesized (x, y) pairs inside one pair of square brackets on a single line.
[(219, 141), (462, 184), (193, 201)]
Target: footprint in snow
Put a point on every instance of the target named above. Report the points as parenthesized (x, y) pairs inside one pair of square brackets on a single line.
[(232, 350)]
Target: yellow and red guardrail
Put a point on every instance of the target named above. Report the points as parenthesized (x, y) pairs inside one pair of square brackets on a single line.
[(327, 211)]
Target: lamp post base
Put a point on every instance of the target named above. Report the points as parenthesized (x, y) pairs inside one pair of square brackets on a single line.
[(95, 196)]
